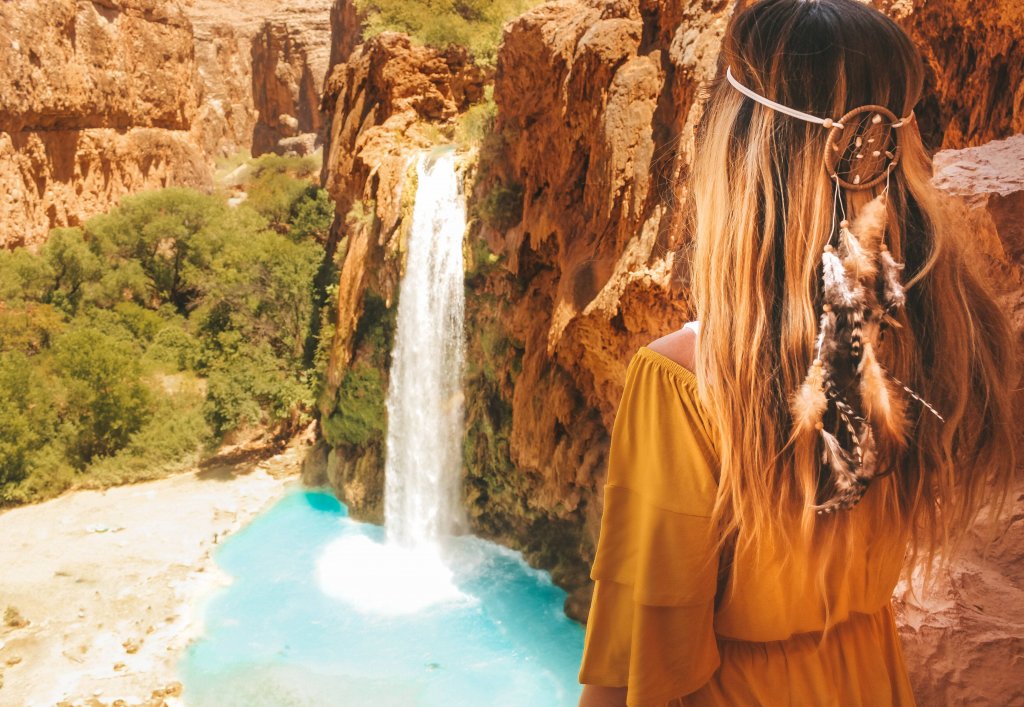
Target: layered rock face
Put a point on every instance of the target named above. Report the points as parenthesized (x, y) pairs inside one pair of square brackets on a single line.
[(595, 105), (262, 67), (975, 67), (960, 637), (97, 101), (102, 98)]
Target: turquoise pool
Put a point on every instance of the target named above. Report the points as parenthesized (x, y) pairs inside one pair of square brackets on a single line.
[(320, 612)]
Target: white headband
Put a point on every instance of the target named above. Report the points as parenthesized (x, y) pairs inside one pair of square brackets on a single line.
[(827, 122)]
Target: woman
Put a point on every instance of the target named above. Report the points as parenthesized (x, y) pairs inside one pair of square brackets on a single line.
[(842, 412)]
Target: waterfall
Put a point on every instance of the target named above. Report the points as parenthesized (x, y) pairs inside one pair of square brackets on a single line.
[(423, 462)]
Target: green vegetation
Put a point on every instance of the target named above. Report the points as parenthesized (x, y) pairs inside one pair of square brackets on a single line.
[(493, 363), (477, 122), (501, 207), (497, 200), (280, 187), (474, 24), (131, 345), (359, 415)]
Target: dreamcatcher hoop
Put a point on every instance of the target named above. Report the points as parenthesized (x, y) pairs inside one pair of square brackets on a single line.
[(872, 154)]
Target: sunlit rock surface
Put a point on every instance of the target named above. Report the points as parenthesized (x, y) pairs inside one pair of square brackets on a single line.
[(262, 66), (105, 98), (89, 110), (964, 639)]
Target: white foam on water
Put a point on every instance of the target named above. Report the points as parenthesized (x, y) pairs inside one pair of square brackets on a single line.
[(386, 578)]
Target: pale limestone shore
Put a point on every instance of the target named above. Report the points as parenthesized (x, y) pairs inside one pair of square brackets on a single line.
[(112, 583)]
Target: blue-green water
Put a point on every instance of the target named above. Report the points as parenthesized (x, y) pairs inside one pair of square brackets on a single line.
[(306, 621)]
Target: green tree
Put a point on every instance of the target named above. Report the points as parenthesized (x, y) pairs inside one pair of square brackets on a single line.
[(276, 186), (24, 276), (474, 24), (312, 216), (73, 265), (173, 234), (28, 417), (106, 402), (261, 286), (29, 327), (252, 386)]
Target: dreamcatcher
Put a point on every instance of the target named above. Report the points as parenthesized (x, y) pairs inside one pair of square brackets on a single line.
[(847, 395)]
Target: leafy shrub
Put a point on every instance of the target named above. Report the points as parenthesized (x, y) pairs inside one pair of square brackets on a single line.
[(174, 235), (312, 216), (277, 184), (502, 207), (105, 400), (24, 276), (29, 327), (175, 345), (28, 415), (106, 332), (359, 416), (253, 387), (477, 121), (175, 435), (474, 24)]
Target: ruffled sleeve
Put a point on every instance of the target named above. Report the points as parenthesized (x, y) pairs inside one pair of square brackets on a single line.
[(651, 623)]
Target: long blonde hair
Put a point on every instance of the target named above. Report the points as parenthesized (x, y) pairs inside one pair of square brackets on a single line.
[(763, 211)]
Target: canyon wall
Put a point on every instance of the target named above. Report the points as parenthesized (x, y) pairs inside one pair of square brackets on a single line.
[(596, 105), (89, 111), (964, 638), (574, 259), (262, 66), (103, 98)]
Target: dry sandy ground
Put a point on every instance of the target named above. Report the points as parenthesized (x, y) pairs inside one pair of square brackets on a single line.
[(112, 582)]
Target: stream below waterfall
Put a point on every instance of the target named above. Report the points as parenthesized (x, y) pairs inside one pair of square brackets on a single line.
[(294, 627)]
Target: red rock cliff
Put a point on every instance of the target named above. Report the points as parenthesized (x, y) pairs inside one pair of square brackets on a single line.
[(102, 98), (90, 110), (262, 66)]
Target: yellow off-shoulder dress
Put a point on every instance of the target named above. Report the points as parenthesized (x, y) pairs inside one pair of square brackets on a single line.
[(654, 626)]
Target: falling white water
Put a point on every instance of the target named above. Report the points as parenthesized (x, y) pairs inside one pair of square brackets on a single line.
[(423, 457), (423, 461)]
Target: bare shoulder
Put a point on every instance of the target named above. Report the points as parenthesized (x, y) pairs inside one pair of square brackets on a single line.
[(680, 345)]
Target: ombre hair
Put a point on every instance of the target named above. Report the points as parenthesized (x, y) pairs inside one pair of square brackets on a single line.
[(763, 209)]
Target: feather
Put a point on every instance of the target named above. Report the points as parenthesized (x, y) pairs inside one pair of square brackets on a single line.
[(871, 329), (882, 403), (838, 459), (809, 402), (869, 225), (856, 333), (893, 295), (825, 345), (839, 292), (857, 259), (848, 487), (869, 454)]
